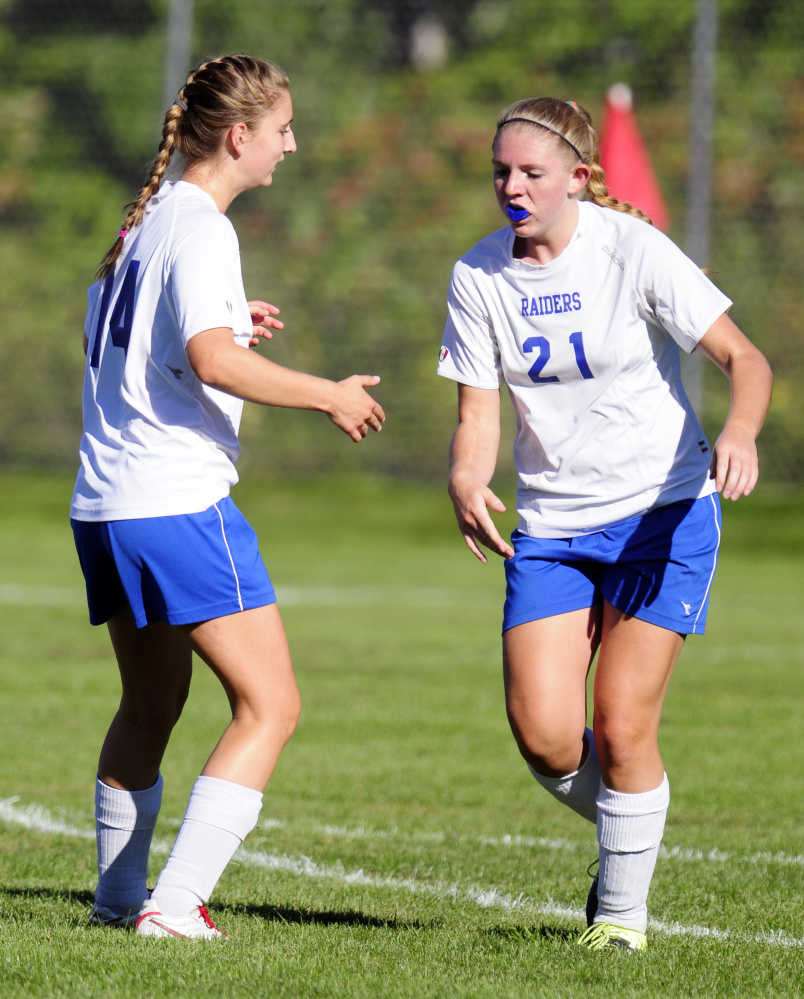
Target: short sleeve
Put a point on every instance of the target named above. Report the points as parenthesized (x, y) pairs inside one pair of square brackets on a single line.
[(676, 292), (205, 282), (469, 350), (94, 293)]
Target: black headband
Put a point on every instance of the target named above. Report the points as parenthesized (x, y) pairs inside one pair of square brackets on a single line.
[(530, 121)]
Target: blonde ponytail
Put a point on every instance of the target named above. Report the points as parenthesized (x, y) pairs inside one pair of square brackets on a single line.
[(597, 192), (136, 208), (218, 93)]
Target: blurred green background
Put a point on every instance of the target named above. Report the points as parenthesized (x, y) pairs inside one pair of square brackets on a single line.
[(395, 102)]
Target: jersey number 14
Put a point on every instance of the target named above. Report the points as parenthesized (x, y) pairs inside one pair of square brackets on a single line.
[(122, 316)]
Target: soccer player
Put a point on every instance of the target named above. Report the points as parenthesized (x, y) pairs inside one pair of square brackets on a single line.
[(171, 565), (579, 307)]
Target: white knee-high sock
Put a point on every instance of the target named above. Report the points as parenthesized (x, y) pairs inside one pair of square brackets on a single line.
[(578, 790), (629, 831), (219, 816), (124, 827)]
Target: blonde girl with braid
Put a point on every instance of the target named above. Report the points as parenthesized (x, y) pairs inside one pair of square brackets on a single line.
[(171, 565), (579, 306)]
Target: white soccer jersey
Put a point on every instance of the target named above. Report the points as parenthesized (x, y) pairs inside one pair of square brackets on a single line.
[(588, 347), (157, 441)]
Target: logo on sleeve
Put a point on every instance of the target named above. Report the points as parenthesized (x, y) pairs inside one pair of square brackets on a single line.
[(229, 306), (443, 354)]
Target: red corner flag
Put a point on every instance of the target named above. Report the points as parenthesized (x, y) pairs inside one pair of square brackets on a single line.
[(629, 175)]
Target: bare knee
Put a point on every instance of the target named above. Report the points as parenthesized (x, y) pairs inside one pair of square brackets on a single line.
[(552, 750), (158, 717), (179, 699), (291, 715), (275, 718), (623, 745)]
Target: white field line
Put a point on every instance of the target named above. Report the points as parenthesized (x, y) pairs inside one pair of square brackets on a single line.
[(381, 596), (42, 596), (680, 853), (399, 596), (287, 596), (38, 819)]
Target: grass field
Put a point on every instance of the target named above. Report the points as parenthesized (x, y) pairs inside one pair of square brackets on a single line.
[(403, 848)]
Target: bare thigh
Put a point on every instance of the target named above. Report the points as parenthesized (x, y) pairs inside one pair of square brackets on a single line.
[(545, 666)]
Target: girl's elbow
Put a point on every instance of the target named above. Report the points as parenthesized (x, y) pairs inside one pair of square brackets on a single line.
[(206, 366), (205, 373)]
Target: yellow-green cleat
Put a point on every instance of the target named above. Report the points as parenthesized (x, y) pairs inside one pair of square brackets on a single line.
[(603, 935)]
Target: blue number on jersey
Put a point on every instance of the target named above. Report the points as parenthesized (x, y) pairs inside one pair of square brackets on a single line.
[(123, 313), (535, 373), (576, 339), (94, 360), (122, 316)]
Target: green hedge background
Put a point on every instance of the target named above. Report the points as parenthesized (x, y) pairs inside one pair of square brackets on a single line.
[(391, 184)]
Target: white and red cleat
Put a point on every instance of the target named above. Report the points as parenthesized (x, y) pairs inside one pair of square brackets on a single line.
[(196, 924)]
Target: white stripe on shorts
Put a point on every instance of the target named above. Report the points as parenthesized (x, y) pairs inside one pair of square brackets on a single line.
[(231, 560), (713, 501)]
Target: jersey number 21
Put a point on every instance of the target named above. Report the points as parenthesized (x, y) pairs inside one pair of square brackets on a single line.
[(535, 373)]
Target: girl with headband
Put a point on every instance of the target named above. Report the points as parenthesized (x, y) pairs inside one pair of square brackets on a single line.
[(171, 565), (579, 306)]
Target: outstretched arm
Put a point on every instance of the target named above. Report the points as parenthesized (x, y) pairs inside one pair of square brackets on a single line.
[(220, 363), (473, 457), (734, 460)]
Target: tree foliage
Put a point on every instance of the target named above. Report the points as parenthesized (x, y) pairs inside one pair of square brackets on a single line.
[(356, 239)]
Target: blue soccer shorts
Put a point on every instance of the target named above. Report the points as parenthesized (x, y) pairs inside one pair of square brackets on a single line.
[(657, 567), (181, 569)]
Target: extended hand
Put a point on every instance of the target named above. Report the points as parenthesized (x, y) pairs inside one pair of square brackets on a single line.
[(352, 408), (472, 501)]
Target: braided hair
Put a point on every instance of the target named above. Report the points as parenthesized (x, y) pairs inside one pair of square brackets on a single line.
[(217, 95), (573, 125)]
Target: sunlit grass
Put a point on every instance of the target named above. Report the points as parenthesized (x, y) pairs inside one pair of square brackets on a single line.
[(403, 849)]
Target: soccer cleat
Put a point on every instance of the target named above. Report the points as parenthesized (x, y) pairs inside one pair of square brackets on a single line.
[(591, 903), (196, 924), (101, 915), (604, 935), (591, 898)]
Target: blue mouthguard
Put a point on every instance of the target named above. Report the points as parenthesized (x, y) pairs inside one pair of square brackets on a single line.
[(516, 214)]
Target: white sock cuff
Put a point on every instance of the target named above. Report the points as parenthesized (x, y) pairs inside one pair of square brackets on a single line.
[(579, 789), (553, 784), (632, 823), (224, 805), (127, 810)]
